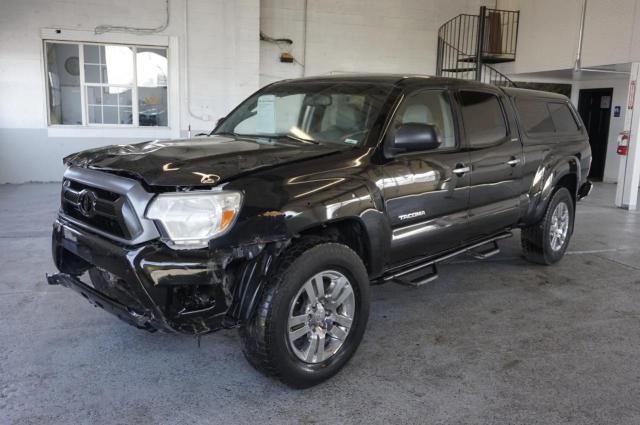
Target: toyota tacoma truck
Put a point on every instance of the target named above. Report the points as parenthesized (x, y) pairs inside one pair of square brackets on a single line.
[(306, 194)]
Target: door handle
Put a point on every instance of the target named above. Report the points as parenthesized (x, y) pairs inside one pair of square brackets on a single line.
[(461, 170), (513, 162)]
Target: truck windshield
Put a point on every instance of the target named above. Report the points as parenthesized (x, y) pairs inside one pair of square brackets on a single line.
[(311, 112)]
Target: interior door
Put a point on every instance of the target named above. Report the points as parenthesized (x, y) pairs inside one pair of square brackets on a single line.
[(426, 193), (594, 107), (496, 161)]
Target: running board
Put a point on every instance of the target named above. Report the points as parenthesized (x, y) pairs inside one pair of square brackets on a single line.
[(420, 278), (411, 275), (490, 252)]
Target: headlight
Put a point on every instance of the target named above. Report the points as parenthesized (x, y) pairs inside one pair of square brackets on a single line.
[(191, 219)]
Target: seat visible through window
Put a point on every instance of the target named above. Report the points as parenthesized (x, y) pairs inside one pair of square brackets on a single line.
[(429, 107)]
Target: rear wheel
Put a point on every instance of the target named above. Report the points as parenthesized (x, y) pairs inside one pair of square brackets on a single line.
[(312, 315), (547, 241)]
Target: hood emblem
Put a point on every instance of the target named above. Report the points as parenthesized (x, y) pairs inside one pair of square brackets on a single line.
[(208, 178), (87, 200)]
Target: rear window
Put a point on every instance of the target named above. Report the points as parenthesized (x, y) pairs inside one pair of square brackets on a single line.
[(484, 121), (535, 116), (563, 119), (539, 116)]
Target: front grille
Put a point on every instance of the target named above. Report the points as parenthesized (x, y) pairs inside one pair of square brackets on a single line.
[(102, 209)]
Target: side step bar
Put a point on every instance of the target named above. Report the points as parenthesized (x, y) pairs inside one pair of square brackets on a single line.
[(413, 274), (490, 252)]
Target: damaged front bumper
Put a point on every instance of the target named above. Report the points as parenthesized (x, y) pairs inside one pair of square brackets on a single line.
[(154, 287), (98, 299)]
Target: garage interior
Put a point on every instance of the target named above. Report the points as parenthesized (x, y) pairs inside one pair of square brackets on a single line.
[(496, 341)]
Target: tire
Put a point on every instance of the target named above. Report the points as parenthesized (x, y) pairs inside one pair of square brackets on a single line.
[(538, 246), (266, 337)]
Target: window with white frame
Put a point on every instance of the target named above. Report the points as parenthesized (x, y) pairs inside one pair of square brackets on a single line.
[(92, 84)]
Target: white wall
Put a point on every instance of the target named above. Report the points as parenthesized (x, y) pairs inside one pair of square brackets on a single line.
[(548, 33), (612, 32), (356, 35), (223, 68)]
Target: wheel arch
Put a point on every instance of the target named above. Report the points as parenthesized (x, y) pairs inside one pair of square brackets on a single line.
[(367, 234), (563, 172)]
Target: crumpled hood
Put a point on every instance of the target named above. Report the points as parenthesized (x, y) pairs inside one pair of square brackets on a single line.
[(195, 162)]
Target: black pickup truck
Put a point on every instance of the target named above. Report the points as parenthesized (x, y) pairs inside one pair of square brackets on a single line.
[(306, 194)]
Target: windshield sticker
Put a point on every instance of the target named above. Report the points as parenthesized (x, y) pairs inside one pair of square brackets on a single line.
[(351, 141), (266, 115)]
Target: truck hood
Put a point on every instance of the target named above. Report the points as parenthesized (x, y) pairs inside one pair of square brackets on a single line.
[(197, 162)]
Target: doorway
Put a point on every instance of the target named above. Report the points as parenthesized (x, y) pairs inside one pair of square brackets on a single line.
[(594, 107)]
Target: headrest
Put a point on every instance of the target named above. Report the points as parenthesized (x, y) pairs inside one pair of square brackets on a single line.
[(349, 118), (416, 113)]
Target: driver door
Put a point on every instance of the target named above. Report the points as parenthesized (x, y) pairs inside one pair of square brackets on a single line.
[(427, 193)]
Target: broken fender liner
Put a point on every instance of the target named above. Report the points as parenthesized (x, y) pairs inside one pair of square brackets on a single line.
[(249, 284)]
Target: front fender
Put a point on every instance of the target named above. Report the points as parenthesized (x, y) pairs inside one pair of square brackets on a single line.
[(545, 181), (324, 202)]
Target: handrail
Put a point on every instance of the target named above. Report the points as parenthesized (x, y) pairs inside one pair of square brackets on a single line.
[(456, 17), (467, 44), (504, 80)]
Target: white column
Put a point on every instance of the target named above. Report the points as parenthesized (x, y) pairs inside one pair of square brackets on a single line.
[(629, 171)]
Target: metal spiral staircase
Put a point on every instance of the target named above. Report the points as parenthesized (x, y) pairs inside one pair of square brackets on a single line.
[(468, 46)]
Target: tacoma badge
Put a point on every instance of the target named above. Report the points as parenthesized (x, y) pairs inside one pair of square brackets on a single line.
[(412, 215)]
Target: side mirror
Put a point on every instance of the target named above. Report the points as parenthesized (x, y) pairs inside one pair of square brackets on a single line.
[(220, 121), (413, 137)]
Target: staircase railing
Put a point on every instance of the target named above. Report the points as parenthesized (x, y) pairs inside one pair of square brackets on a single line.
[(467, 45)]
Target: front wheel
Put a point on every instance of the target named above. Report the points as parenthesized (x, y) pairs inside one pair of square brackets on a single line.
[(547, 241), (312, 315)]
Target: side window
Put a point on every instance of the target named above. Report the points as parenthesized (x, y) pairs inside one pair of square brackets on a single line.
[(535, 116), (483, 118), (429, 107), (563, 119)]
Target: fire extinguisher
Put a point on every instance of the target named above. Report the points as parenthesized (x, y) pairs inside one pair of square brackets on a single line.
[(623, 143)]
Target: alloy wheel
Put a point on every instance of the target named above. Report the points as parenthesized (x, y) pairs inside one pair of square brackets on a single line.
[(321, 316)]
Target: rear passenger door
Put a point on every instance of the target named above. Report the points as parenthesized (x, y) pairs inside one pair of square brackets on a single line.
[(496, 161)]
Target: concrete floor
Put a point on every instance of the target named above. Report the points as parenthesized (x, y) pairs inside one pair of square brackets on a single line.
[(494, 342)]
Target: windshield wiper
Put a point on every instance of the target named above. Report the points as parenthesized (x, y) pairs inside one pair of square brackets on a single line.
[(295, 138), (288, 136), (223, 133)]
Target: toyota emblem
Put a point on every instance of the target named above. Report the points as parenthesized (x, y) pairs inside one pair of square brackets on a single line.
[(87, 203)]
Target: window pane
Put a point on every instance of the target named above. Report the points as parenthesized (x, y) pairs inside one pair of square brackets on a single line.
[(562, 117), (118, 67), (63, 84), (94, 95), (430, 107), (152, 67), (152, 106), (535, 116), (483, 119), (95, 114), (124, 96), (93, 54), (109, 83), (110, 115), (110, 96), (126, 116), (152, 86), (92, 73)]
